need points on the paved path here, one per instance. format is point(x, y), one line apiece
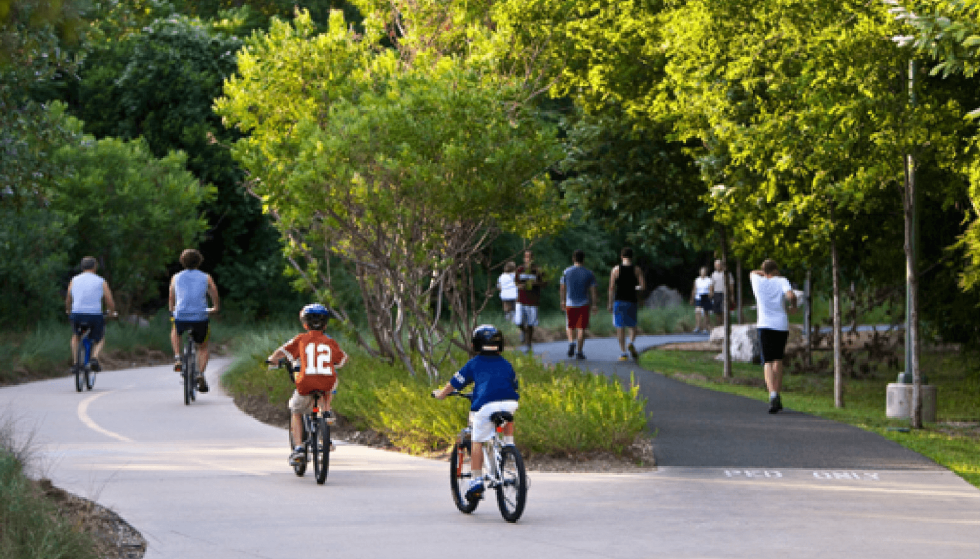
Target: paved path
point(206, 481)
point(702, 428)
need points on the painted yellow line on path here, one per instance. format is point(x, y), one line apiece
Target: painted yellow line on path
point(83, 415)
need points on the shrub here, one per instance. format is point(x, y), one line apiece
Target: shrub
point(563, 410)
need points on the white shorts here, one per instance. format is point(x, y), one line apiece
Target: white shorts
point(303, 404)
point(480, 422)
point(526, 315)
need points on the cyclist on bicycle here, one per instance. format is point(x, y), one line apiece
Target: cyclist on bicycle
point(188, 303)
point(495, 389)
point(319, 357)
point(83, 304)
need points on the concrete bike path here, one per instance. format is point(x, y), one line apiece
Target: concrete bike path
point(207, 481)
point(696, 427)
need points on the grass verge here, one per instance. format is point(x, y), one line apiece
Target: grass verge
point(563, 410)
point(954, 441)
point(30, 525)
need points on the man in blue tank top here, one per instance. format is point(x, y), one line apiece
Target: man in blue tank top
point(83, 303)
point(625, 281)
point(189, 291)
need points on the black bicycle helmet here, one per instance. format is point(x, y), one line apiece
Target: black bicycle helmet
point(487, 340)
point(315, 316)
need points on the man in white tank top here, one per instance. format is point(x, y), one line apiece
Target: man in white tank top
point(83, 304)
point(189, 291)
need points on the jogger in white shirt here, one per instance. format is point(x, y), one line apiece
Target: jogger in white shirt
point(771, 290)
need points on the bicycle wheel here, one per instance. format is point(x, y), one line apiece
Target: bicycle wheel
point(89, 378)
point(79, 366)
point(321, 450)
point(299, 468)
point(512, 491)
point(459, 476)
point(187, 363)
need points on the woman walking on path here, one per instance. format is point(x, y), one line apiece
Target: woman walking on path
point(771, 290)
point(508, 290)
point(701, 297)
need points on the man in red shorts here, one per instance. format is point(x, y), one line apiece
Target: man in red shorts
point(578, 294)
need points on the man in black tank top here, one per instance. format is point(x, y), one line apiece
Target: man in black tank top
point(625, 282)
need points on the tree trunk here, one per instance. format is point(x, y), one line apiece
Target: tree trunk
point(726, 316)
point(738, 290)
point(808, 316)
point(838, 365)
point(913, 290)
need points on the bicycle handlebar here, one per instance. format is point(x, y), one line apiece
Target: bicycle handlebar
point(467, 395)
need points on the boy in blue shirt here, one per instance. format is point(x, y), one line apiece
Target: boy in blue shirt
point(494, 389)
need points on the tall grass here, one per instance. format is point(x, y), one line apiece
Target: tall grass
point(30, 527)
point(563, 410)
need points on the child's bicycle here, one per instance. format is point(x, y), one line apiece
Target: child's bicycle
point(503, 469)
point(316, 433)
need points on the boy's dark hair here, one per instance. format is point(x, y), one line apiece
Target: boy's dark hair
point(191, 259)
point(626, 253)
point(578, 256)
point(510, 267)
point(770, 267)
point(89, 263)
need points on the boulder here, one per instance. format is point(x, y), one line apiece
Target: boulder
point(745, 341)
point(663, 297)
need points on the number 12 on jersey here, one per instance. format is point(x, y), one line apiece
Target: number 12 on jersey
point(318, 359)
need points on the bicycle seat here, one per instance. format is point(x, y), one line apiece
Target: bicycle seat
point(501, 417)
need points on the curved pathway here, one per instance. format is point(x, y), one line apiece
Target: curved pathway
point(206, 481)
point(703, 428)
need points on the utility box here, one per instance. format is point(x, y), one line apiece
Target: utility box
point(898, 403)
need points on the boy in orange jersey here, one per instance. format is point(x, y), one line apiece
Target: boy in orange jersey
point(319, 357)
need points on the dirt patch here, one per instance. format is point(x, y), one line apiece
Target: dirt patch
point(114, 537)
point(637, 458)
point(966, 429)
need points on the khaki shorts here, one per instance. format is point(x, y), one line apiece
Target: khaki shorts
point(303, 405)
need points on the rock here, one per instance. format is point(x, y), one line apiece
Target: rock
point(137, 320)
point(663, 297)
point(745, 343)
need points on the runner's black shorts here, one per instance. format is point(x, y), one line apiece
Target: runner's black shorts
point(199, 329)
point(773, 344)
point(95, 323)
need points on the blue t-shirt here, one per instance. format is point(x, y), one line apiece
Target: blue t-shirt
point(493, 379)
point(190, 290)
point(577, 281)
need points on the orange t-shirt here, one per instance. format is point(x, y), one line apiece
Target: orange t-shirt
point(319, 356)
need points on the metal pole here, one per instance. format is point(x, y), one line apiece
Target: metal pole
point(914, 237)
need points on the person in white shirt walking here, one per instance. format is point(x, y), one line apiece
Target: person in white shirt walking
point(508, 290)
point(771, 293)
point(701, 297)
point(83, 303)
point(722, 283)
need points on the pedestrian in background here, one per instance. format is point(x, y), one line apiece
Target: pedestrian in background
point(625, 281)
point(577, 295)
point(771, 293)
point(701, 297)
point(722, 283)
point(508, 290)
point(530, 280)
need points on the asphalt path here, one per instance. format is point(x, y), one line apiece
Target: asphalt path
point(696, 427)
point(206, 481)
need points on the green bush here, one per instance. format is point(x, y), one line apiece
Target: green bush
point(563, 410)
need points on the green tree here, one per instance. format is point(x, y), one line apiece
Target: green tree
point(129, 209)
point(406, 172)
point(159, 84)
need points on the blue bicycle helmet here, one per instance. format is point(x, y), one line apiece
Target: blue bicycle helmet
point(315, 316)
point(487, 340)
